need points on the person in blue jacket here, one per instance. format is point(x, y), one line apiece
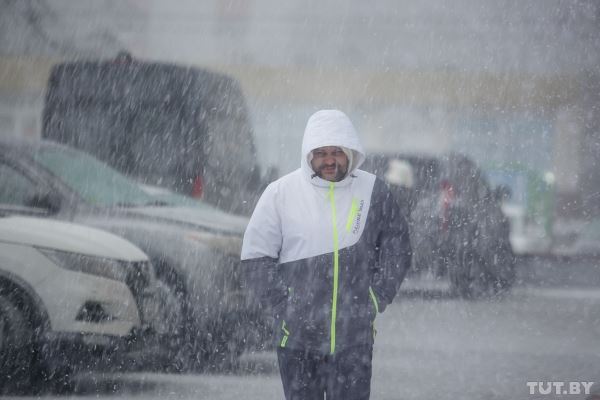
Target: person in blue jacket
point(326, 250)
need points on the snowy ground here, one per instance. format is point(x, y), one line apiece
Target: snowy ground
point(432, 346)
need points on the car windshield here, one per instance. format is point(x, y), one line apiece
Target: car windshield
point(94, 181)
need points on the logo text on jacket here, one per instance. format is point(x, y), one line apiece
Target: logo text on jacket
point(356, 227)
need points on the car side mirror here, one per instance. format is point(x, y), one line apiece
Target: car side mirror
point(48, 201)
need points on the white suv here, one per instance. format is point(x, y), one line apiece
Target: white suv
point(69, 294)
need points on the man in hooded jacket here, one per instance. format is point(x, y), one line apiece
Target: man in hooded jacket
point(325, 250)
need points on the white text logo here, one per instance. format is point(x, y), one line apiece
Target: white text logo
point(559, 387)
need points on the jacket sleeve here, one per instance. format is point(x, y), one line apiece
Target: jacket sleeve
point(394, 251)
point(260, 252)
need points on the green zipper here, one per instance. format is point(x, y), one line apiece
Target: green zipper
point(335, 269)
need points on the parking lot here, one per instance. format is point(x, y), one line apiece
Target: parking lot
point(430, 345)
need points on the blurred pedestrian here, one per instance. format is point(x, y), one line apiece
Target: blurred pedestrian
point(325, 250)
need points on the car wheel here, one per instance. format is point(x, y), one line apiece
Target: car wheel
point(223, 347)
point(503, 264)
point(172, 314)
point(56, 380)
point(468, 276)
point(16, 347)
point(171, 325)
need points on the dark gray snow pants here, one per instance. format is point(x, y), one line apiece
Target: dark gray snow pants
point(345, 375)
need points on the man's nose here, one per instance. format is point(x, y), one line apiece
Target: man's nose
point(329, 160)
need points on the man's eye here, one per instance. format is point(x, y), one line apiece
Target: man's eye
point(319, 154)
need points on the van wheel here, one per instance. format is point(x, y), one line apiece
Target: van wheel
point(57, 380)
point(16, 347)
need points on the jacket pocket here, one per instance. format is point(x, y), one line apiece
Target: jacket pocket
point(374, 310)
point(285, 334)
point(374, 301)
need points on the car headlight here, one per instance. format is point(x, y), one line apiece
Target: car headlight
point(104, 267)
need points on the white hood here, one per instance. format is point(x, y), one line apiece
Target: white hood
point(330, 128)
point(63, 236)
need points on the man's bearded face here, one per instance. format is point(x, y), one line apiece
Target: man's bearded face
point(329, 163)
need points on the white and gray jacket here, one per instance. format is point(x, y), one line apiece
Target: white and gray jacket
point(326, 256)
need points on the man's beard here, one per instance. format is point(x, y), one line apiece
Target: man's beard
point(340, 172)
